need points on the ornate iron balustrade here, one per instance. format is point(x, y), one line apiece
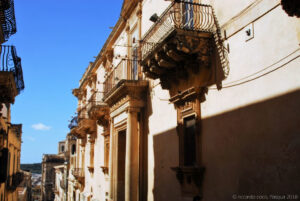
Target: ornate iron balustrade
point(10, 62)
point(126, 70)
point(187, 16)
point(97, 109)
point(73, 122)
point(95, 100)
point(7, 18)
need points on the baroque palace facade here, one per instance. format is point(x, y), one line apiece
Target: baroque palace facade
point(189, 100)
point(11, 84)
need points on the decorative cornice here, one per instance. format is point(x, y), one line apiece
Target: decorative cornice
point(189, 95)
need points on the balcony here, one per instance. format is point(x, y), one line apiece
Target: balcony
point(78, 173)
point(85, 124)
point(123, 81)
point(14, 181)
point(11, 75)
point(17, 129)
point(7, 19)
point(126, 70)
point(97, 109)
point(73, 126)
point(185, 41)
point(73, 122)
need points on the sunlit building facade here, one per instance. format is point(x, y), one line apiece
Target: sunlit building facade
point(190, 100)
point(50, 161)
point(11, 84)
point(24, 188)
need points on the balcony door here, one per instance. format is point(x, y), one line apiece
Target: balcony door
point(121, 165)
point(188, 14)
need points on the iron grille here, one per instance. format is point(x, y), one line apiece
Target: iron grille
point(10, 62)
point(73, 122)
point(7, 18)
point(126, 70)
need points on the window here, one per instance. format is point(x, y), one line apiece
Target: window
point(62, 148)
point(73, 149)
point(189, 139)
point(121, 164)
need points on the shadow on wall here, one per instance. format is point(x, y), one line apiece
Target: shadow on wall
point(147, 112)
point(254, 150)
point(166, 155)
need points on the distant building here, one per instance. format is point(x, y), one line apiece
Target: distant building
point(48, 175)
point(61, 147)
point(24, 188)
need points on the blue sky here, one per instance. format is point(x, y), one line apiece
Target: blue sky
point(56, 40)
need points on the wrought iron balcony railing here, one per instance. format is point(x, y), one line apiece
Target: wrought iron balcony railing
point(10, 62)
point(95, 100)
point(125, 70)
point(7, 18)
point(96, 107)
point(184, 16)
point(73, 122)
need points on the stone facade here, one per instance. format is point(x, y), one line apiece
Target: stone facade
point(48, 175)
point(197, 103)
point(11, 84)
point(24, 189)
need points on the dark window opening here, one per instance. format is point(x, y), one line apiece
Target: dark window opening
point(121, 164)
point(189, 141)
point(73, 149)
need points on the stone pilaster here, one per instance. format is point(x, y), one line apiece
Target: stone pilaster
point(132, 156)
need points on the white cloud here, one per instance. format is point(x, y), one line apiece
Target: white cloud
point(41, 127)
point(32, 139)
